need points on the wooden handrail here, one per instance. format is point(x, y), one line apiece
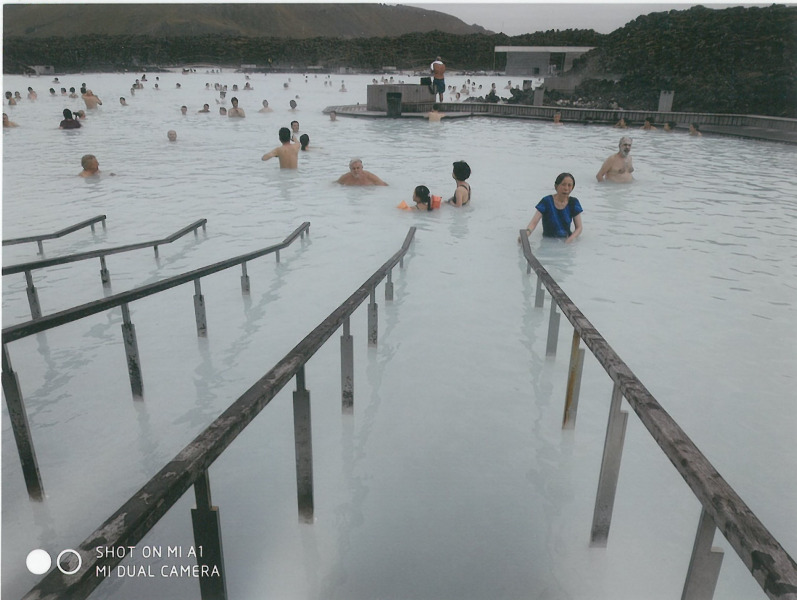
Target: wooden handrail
point(142, 511)
point(771, 566)
point(21, 330)
point(60, 260)
point(57, 234)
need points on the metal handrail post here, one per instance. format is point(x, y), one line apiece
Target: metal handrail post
point(610, 471)
point(373, 318)
point(347, 368)
point(207, 542)
point(573, 383)
point(21, 429)
point(199, 310)
point(105, 275)
point(33, 297)
point(553, 331)
point(131, 352)
point(245, 288)
point(303, 441)
point(704, 566)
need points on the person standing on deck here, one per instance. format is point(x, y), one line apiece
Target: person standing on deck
point(438, 77)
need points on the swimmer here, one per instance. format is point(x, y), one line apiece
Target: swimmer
point(287, 152)
point(333, 115)
point(235, 111)
point(69, 121)
point(122, 101)
point(10, 98)
point(648, 125)
point(304, 141)
point(422, 198)
point(670, 126)
point(31, 94)
point(621, 124)
point(295, 133)
point(558, 211)
point(343, 87)
point(248, 86)
point(222, 111)
point(179, 86)
point(52, 91)
point(694, 130)
point(171, 135)
point(266, 108)
point(358, 176)
point(80, 114)
point(91, 166)
point(91, 100)
point(205, 109)
point(184, 110)
point(618, 167)
point(460, 173)
point(557, 119)
point(435, 115)
point(293, 105)
point(7, 122)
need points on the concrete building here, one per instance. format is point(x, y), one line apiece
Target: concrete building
point(550, 63)
point(540, 61)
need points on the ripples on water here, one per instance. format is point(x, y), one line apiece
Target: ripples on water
point(689, 274)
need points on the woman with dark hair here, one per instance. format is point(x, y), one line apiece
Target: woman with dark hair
point(460, 173)
point(69, 121)
point(304, 140)
point(557, 211)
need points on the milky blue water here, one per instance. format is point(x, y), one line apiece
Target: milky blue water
point(453, 478)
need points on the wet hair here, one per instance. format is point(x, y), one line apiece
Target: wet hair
point(696, 126)
point(561, 177)
point(435, 106)
point(68, 114)
point(234, 100)
point(423, 194)
point(265, 102)
point(292, 122)
point(86, 159)
point(304, 140)
point(461, 170)
point(285, 134)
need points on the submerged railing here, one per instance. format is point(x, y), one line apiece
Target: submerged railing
point(10, 381)
point(105, 276)
point(51, 236)
point(723, 509)
point(84, 568)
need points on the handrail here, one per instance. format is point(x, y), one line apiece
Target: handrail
point(142, 511)
point(21, 330)
point(60, 260)
point(57, 234)
point(771, 566)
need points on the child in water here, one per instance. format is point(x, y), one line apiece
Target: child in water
point(423, 200)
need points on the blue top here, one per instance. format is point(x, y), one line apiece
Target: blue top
point(555, 222)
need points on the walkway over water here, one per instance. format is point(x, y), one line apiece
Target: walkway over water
point(744, 126)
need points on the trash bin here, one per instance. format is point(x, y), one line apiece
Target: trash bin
point(394, 104)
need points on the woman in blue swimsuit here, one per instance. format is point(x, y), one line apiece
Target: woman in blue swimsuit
point(558, 211)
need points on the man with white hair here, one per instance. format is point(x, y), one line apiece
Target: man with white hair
point(358, 176)
point(618, 167)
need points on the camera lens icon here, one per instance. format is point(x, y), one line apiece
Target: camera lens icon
point(39, 562)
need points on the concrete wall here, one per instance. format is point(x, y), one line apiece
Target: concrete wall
point(410, 93)
point(525, 63)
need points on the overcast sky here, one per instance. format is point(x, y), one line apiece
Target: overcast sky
point(527, 17)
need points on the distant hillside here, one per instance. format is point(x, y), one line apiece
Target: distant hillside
point(737, 59)
point(237, 20)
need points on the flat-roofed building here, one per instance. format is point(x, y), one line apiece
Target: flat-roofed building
point(540, 61)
